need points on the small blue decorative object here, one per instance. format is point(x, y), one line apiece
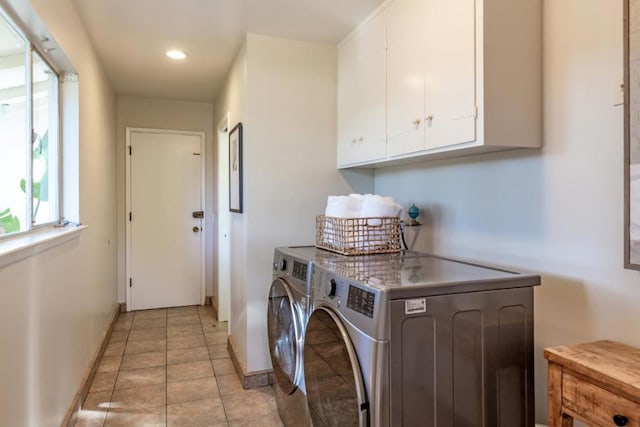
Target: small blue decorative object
point(413, 213)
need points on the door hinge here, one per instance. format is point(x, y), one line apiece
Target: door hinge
point(130, 282)
point(129, 150)
point(130, 216)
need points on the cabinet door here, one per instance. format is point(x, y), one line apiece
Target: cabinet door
point(347, 97)
point(405, 77)
point(450, 77)
point(371, 97)
point(362, 135)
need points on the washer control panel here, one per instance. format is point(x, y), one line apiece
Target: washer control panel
point(299, 270)
point(361, 301)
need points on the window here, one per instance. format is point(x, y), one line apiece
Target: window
point(29, 129)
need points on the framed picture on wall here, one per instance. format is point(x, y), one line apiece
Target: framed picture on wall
point(235, 169)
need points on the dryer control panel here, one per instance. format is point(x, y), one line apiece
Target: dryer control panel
point(299, 270)
point(361, 301)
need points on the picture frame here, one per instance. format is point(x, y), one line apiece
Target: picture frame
point(631, 25)
point(235, 169)
point(632, 134)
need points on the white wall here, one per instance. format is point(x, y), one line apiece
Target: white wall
point(231, 100)
point(54, 306)
point(289, 120)
point(165, 114)
point(557, 211)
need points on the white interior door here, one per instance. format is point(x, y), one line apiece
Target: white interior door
point(165, 239)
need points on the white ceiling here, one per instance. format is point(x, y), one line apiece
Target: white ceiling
point(131, 37)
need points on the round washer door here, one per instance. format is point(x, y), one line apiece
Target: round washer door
point(335, 390)
point(283, 330)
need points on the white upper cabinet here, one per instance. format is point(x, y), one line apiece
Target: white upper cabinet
point(456, 77)
point(405, 77)
point(362, 135)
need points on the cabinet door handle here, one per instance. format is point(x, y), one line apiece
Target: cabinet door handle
point(416, 122)
point(354, 140)
point(361, 139)
point(429, 118)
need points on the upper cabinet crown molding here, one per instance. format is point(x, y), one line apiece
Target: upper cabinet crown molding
point(427, 79)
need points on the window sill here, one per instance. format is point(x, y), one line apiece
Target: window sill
point(12, 250)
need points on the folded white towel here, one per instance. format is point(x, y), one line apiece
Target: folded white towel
point(342, 207)
point(379, 206)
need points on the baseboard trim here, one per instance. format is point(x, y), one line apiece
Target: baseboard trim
point(248, 379)
point(71, 416)
point(123, 307)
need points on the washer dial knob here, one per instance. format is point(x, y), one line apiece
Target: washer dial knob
point(331, 288)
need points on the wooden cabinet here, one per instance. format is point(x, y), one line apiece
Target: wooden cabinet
point(597, 383)
point(461, 77)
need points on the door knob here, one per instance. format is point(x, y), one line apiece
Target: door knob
point(196, 229)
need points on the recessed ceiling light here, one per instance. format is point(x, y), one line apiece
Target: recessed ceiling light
point(176, 54)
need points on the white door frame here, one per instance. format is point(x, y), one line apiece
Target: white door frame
point(129, 131)
point(223, 280)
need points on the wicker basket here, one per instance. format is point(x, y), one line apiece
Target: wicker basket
point(358, 236)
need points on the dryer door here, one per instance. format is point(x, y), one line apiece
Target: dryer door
point(283, 326)
point(335, 390)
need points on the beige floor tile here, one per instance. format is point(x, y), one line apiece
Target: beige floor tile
point(183, 311)
point(189, 371)
point(249, 404)
point(138, 417)
point(115, 349)
point(151, 314)
point(218, 351)
point(184, 330)
point(144, 360)
point(139, 397)
point(205, 309)
point(183, 320)
point(159, 322)
point(208, 327)
point(198, 413)
point(184, 355)
point(126, 315)
point(109, 364)
point(118, 336)
point(223, 367)
point(90, 419)
point(141, 377)
point(103, 381)
point(123, 324)
point(147, 334)
point(271, 420)
point(94, 410)
point(214, 338)
point(207, 320)
point(186, 341)
point(100, 401)
point(186, 391)
point(229, 384)
point(137, 347)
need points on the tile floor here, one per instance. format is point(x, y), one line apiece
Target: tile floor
point(170, 367)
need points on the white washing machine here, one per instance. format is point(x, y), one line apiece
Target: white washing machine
point(426, 342)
